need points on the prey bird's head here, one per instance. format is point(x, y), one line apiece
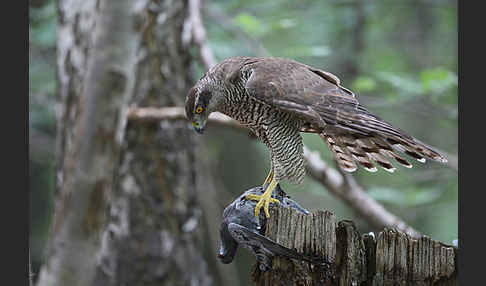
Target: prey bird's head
point(202, 99)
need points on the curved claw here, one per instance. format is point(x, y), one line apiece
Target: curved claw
point(264, 200)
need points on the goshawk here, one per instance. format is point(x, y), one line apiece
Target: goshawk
point(278, 98)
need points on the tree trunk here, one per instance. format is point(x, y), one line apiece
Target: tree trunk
point(91, 126)
point(154, 234)
point(393, 258)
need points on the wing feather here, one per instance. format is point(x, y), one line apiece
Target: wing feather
point(316, 97)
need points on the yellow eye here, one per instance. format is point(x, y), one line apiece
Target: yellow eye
point(199, 109)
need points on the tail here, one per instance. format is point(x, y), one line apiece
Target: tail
point(353, 149)
point(356, 136)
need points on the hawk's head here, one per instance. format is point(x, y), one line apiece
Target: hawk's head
point(202, 99)
point(197, 108)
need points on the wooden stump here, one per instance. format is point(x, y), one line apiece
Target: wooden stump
point(392, 258)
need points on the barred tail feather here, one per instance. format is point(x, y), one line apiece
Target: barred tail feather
point(343, 158)
point(356, 136)
point(367, 151)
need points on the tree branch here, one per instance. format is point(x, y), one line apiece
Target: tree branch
point(199, 34)
point(344, 186)
point(340, 184)
point(153, 114)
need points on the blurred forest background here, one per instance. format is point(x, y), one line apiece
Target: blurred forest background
point(399, 57)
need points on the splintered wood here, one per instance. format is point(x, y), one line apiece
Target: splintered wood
point(401, 260)
point(392, 258)
point(293, 229)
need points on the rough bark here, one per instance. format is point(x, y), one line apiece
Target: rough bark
point(392, 258)
point(90, 138)
point(154, 233)
point(153, 230)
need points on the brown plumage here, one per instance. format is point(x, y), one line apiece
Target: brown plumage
point(316, 98)
point(279, 98)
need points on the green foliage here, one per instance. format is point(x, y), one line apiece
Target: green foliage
point(42, 89)
point(363, 84)
point(42, 73)
point(42, 77)
point(434, 81)
point(437, 80)
point(42, 26)
point(305, 51)
point(401, 82)
point(405, 198)
point(250, 24)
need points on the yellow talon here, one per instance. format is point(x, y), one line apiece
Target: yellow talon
point(264, 200)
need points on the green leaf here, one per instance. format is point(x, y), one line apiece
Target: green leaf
point(363, 84)
point(437, 80)
point(306, 51)
point(403, 83)
point(250, 24)
point(408, 198)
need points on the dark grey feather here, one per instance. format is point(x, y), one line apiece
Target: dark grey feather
point(239, 227)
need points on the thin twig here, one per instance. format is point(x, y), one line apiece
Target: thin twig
point(153, 114)
point(199, 34)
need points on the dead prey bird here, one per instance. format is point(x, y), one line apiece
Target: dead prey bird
point(240, 227)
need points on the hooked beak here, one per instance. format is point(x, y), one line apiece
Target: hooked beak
point(199, 126)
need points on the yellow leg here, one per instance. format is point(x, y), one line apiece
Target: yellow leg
point(269, 178)
point(265, 199)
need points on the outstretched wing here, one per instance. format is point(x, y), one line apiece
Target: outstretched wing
point(353, 133)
